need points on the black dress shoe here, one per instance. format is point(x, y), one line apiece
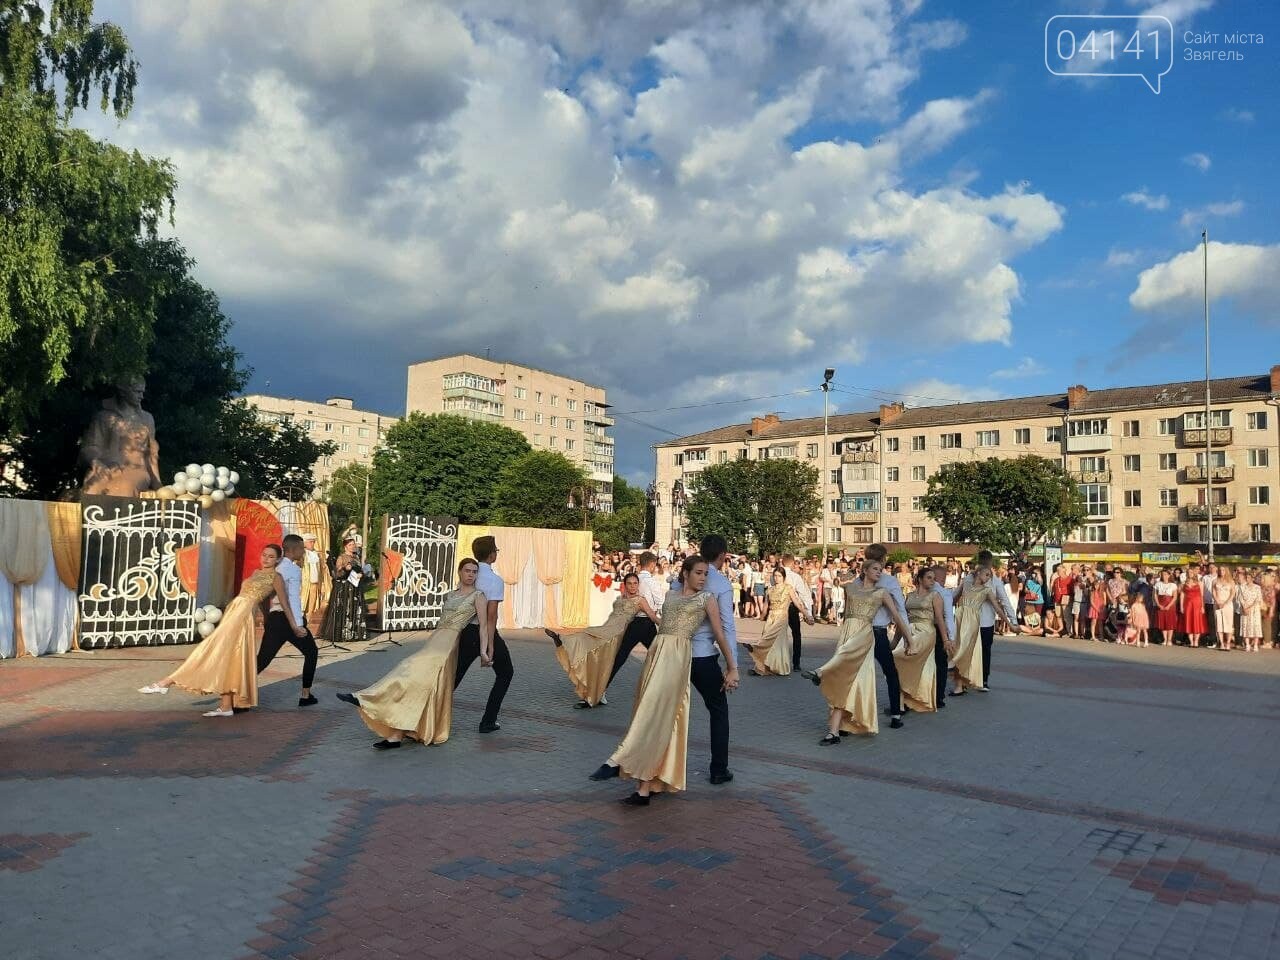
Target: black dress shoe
point(349, 698)
point(719, 778)
point(896, 723)
point(605, 772)
point(811, 676)
point(942, 705)
point(307, 701)
point(490, 727)
point(387, 745)
point(555, 637)
point(983, 689)
point(829, 740)
point(635, 800)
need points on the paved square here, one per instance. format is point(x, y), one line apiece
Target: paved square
point(1100, 802)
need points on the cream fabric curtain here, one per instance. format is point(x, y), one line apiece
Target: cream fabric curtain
point(547, 574)
point(548, 551)
point(24, 540)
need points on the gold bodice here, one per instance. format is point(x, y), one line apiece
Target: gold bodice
point(259, 586)
point(920, 609)
point(780, 594)
point(681, 615)
point(860, 604)
point(975, 596)
point(457, 610)
point(624, 609)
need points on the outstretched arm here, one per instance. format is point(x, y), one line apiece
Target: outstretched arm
point(891, 604)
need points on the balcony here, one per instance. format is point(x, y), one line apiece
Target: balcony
point(859, 456)
point(1219, 474)
point(471, 393)
point(858, 516)
point(1091, 476)
point(1222, 437)
point(1089, 442)
point(1221, 511)
point(603, 419)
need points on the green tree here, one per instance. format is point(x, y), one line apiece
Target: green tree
point(756, 505)
point(626, 524)
point(74, 297)
point(444, 466)
point(1005, 505)
point(535, 490)
point(344, 491)
point(268, 454)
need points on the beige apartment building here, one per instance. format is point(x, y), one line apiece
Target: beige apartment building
point(1141, 456)
point(554, 412)
point(356, 432)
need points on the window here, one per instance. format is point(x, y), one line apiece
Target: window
point(1053, 434)
point(693, 456)
point(1221, 533)
point(1168, 533)
point(855, 475)
point(537, 396)
point(1094, 533)
point(1255, 421)
point(862, 534)
point(1093, 464)
point(1132, 428)
point(917, 442)
point(537, 438)
point(537, 416)
point(785, 451)
point(1167, 426)
point(1260, 532)
point(555, 401)
point(1133, 498)
point(568, 444)
point(346, 430)
point(1133, 534)
point(520, 415)
point(1259, 496)
point(917, 534)
point(890, 534)
point(950, 441)
point(1217, 458)
point(572, 404)
point(363, 449)
point(571, 424)
point(891, 474)
point(553, 441)
point(917, 473)
point(1195, 421)
point(1258, 457)
point(327, 461)
point(363, 432)
point(1022, 435)
point(834, 535)
point(519, 393)
point(811, 534)
point(1168, 461)
point(344, 447)
point(891, 504)
point(678, 460)
point(917, 504)
point(1097, 499)
point(1132, 463)
point(328, 428)
point(1092, 427)
point(1169, 497)
point(473, 381)
point(555, 421)
point(588, 406)
point(722, 456)
point(988, 438)
point(835, 449)
point(891, 444)
point(811, 451)
point(836, 505)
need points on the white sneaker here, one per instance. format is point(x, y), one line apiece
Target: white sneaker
point(219, 713)
point(153, 688)
point(604, 702)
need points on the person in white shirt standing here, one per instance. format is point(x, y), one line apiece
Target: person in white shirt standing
point(942, 650)
point(796, 581)
point(283, 623)
point(880, 627)
point(471, 644)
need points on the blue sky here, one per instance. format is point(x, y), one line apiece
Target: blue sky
point(703, 201)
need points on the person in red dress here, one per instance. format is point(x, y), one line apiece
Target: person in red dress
point(1165, 592)
point(1193, 622)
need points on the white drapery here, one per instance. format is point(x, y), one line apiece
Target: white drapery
point(35, 605)
point(48, 610)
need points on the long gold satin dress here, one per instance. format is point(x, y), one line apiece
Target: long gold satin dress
point(587, 657)
point(916, 670)
point(416, 696)
point(656, 745)
point(968, 658)
point(848, 679)
point(226, 661)
point(768, 655)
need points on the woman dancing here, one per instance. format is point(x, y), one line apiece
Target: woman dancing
point(653, 752)
point(917, 670)
point(770, 657)
point(347, 617)
point(848, 679)
point(225, 662)
point(968, 655)
point(415, 699)
point(588, 657)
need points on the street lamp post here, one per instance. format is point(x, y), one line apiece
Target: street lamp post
point(1208, 431)
point(677, 505)
point(655, 501)
point(826, 447)
point(586, 497)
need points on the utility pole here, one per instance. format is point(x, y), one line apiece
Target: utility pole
point(1208, 429)
point(826, 449)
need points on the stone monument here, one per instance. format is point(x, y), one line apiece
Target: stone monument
point(119, 449)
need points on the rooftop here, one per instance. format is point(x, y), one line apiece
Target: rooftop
point(507, 363)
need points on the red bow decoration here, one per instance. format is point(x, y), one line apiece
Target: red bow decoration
point(604, 582)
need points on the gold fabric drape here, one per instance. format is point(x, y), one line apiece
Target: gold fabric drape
point(221, 573)
point(24, 540)
point(64, 534)
point(575, 587)
point(549, 554)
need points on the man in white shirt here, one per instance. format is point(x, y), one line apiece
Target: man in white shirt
point(642, 628)
point(940, 652)
point(792, 567)
point(704, 670)
point(283, 621)
point(880, 627)
point(471, 643)
point(987, 620)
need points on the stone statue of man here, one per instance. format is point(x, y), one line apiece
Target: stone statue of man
point(119, 448)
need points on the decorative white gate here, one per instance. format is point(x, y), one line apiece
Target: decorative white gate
point(130, 592)
point(425, 548)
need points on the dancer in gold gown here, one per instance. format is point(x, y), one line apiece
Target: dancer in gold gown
point(848, 679)
point(914, 652)
point(587, 657)
point(969, 601)
point(415, 699)
point(655, 747)
point(770, 657)
point(225, 662)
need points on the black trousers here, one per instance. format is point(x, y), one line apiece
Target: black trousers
point(793, 621)
point(276, 632)
point(708, 680)
point(884, 657)
point(503, 671)
point(940, 666)
point(988, 636)
point(640, 630)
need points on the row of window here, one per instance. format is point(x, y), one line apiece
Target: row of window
point(328, 427)
point(1091, 533)
point(555, 421)
point(554, 442)
point(522, 393)
point(471, 381)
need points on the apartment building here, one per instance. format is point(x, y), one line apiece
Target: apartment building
point(553, 411)
point(1153, 473)
point(356, 432)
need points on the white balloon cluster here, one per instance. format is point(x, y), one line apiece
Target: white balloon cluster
point(205, 482)
point(206, 619)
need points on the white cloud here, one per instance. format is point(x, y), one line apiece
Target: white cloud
point(1122, 258)
point(1200, 161)
point(1141, 198)
point(1238, 115)
point(1175, 11)
point(931, 391)
point(1026, 367)
point(1196, 217)
point(1249, 274)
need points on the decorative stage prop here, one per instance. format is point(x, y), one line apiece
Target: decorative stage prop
point(547, 575)
point(131, 591)
point(40, 563)
point(417, 570)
